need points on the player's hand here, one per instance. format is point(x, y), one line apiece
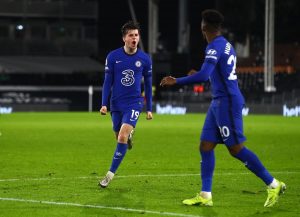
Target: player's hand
point(149, 116)
point(103, 110)
point(168, 81)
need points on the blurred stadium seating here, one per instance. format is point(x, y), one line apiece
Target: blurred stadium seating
point(59, 43)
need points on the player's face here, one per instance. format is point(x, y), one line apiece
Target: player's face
point(132, 39)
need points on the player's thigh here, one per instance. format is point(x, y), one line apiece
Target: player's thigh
point(131, 116)
point(116, 117)
point(230, 122)
point(210, 130)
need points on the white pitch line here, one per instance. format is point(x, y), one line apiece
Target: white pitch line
point(161, 213)
point(139, 175)
point(33, 179)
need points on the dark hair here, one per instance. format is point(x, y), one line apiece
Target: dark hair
point(130, 25)
point(213, 19)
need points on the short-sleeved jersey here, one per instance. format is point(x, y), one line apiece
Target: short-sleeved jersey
point(127, 72)
point(223, 79)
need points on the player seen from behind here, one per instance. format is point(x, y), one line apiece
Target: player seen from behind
point(223, 123)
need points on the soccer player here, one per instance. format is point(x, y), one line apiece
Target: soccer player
point(223, 123)
point(124, 69)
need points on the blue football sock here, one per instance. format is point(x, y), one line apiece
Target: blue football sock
point(118, 156)
point(207, 169)
point(252, 162)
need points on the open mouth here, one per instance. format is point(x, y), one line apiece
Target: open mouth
point(134, 43)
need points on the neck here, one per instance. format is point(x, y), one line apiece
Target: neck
point(211, 36)
point(130, 50)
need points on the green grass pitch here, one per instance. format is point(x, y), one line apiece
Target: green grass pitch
point(50, 164)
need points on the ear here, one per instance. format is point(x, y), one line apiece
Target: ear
point(204, 27)
point(123, 39)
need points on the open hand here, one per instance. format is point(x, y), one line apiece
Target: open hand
point(168, 81)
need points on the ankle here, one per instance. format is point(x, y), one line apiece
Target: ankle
point(274, 184)
point(110, 174)
point(206, 194)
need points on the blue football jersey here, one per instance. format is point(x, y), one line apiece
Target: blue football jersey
point(223, 79)
point(127, 72)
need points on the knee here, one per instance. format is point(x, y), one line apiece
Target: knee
point(122, 138)
point(206, 146)
point(235, 149)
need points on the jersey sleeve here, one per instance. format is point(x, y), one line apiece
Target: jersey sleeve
point(147, 70)
point(108, 80)
point(212, 54)
point(200, 76)
point(147, 73)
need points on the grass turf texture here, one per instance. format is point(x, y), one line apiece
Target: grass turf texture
point(68, 152)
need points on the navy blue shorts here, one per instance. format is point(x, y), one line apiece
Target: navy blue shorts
point(129, 116)
point(224, 122)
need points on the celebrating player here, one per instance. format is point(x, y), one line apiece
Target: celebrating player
point(223, 123)
point(124, 69)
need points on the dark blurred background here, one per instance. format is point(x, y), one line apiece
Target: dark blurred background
point(52, 52)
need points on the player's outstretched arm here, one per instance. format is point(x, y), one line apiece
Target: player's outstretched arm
point(191, 72)
point(168, 81)
point(197, 77)
point(149, 115)
point(103, 110)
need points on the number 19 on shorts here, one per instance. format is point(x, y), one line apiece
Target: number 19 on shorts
point(134, 115)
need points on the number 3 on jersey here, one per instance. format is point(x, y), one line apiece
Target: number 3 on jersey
point(232, 59)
